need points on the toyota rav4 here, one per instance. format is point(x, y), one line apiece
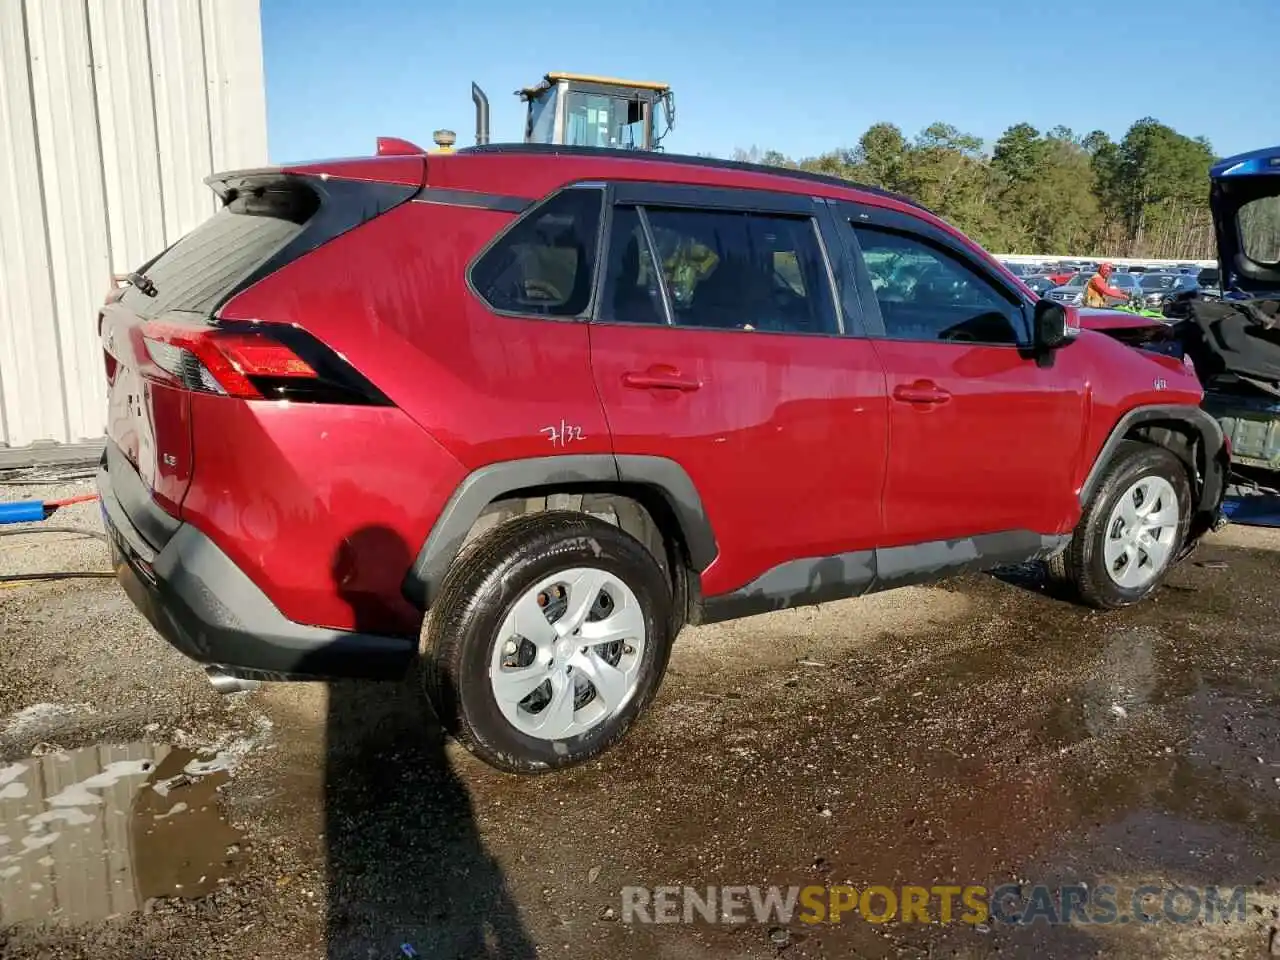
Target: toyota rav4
point(526, 412)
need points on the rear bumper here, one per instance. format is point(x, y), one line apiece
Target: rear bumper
point(208, 608)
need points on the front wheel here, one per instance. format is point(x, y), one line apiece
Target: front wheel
point(550, 635)
point(1131, 531)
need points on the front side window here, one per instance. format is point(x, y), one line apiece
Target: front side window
point(927, 294)
point(543, 265)
point(742, 271)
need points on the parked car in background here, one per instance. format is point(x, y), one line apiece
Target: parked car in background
point(1041, 284)
point(1073, 290)
point(1159, 287)
point(1130, 283)
point(1209, 283)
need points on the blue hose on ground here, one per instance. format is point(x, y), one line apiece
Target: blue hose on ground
point(27, 511)
point(22, 511)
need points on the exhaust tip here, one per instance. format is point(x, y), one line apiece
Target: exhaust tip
point(226, 683)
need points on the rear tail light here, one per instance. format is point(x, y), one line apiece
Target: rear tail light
point(181, 364)
point(252, 362)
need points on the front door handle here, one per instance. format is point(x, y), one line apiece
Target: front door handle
point(660, 377)
point(922, 391)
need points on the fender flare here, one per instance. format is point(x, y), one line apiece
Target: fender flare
point(481, 487)
point(1213, 469)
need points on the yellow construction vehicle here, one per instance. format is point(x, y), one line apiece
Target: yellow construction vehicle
point(577, 110)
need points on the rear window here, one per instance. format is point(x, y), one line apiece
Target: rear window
point(207, 264)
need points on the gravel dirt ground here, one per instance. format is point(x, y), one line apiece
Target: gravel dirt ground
point(977, 732)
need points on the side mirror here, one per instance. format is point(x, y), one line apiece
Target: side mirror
point(1052, 328)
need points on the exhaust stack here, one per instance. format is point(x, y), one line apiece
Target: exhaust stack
point(482, 114)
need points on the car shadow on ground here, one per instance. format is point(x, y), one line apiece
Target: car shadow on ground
point(406, 864)
point(1032, 576)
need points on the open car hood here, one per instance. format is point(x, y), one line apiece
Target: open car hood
point(1245, 199)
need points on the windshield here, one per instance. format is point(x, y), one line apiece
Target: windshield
point(1079, 280)
point(599, 120)
point(1124, 281)
point(1159, 281)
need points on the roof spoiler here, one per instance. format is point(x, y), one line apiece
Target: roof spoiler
point(229, 184)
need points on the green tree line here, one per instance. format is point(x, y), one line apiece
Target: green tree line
point(1056, 192)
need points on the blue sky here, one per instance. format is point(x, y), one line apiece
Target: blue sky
point(800, 77)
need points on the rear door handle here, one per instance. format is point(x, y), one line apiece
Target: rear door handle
point(922, 391)
point(660, 378)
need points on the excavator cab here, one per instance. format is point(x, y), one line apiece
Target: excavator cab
point(584, 111)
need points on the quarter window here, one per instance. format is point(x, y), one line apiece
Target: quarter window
point(726, 270)
point(543, 266)
point(927, 294)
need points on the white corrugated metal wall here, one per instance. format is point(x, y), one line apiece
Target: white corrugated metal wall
point(112, 113)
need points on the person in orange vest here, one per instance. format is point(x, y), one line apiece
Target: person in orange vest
point(1098, 290)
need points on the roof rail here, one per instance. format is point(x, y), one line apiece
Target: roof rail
point(612, 153)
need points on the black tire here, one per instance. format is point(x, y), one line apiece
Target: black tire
point(1081, 568)
point(475, 598)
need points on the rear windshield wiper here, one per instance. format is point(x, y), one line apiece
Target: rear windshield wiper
point(144, 284)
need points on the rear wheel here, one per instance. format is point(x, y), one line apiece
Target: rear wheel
point(1132, 529)
point(550, 635)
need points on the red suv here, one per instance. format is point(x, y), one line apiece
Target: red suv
point(563, 402)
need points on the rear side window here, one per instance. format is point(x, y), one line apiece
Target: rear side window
point(543, 265)
point(925, 293)
point(729, 271)
point(207, 264)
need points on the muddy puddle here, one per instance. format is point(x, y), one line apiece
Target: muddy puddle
point(91, 833)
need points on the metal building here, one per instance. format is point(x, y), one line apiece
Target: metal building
point(112, 113)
